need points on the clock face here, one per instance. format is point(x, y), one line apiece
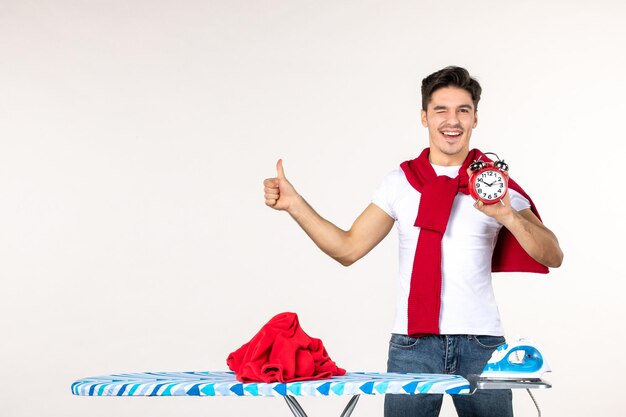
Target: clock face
point(490, 185)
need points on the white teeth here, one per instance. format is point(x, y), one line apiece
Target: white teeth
point(452, 133)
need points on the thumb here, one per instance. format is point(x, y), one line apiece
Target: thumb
point(279, 169)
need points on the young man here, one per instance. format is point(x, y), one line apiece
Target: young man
point(446, 320)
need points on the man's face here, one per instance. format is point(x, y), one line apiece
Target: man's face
point(450, 118)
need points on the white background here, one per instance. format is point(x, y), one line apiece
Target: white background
point(135, 135)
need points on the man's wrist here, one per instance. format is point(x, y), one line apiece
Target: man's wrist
point(297, 207)
point(509, 218)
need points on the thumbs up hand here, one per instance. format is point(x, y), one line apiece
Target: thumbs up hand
point(279, 193)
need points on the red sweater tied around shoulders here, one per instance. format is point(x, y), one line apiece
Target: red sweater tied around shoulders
point(437, 197)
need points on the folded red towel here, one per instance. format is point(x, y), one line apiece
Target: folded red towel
point(282, 352)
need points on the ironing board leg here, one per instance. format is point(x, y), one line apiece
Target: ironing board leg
point(297, 410)
point(350, 407)
point(294, 406)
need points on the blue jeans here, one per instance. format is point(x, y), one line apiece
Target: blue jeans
point(457, 354)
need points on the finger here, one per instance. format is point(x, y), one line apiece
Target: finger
point(280, 170)
point(271, 182)
point(271, 196)
point(271, 190)
point(270, 202)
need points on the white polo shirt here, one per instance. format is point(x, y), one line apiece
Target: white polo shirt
point(468, 304)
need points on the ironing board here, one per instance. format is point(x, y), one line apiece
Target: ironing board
point(211, 384)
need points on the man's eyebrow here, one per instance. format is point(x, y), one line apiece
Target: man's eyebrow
point(462, 106)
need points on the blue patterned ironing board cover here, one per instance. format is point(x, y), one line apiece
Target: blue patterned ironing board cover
point(224, 384)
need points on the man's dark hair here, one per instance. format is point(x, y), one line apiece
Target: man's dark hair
point(450, 77)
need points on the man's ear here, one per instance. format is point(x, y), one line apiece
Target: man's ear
point(424, 119)
point(475, 119)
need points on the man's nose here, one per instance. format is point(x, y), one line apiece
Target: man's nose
point(452, 117)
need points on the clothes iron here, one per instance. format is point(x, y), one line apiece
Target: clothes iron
point(519, 360)
point(518, 364)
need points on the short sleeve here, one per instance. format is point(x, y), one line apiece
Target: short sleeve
point(518, 201)
point(387, 192)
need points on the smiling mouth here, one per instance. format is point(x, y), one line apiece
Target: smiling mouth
point(451, 134)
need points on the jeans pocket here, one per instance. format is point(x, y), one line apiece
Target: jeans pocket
point(489, 342)
point(402, 341)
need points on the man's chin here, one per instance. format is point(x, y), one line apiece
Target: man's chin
point(449, 155)
point(453, 149)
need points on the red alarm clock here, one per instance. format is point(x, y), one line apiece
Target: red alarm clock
point(488, 181)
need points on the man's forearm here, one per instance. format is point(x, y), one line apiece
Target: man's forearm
point(537, 240)
point(329, 238)
point(346, 247)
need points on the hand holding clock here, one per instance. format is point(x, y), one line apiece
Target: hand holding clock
point(499, 211)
